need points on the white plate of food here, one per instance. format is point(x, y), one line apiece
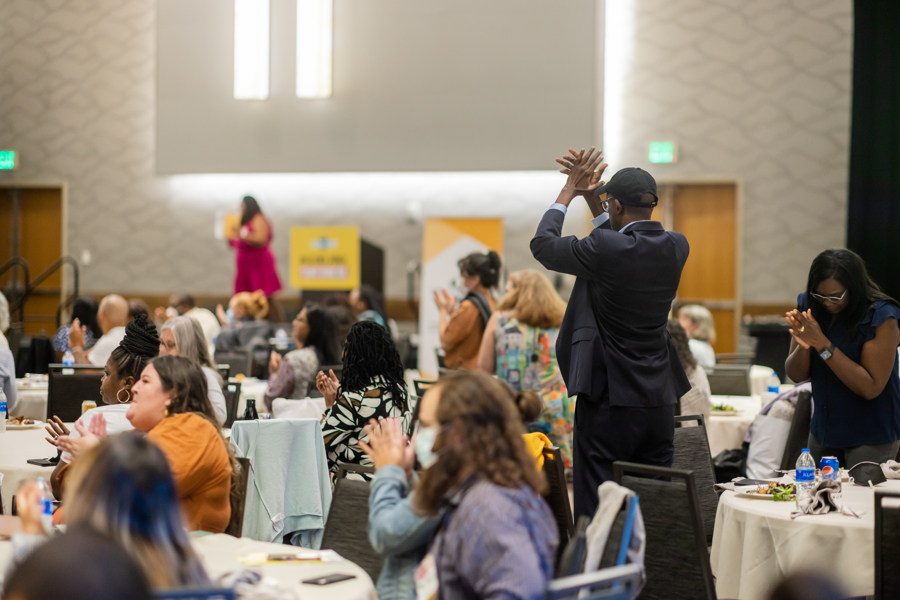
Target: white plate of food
point(780, 492)
point(724, 413)
point(23, 423)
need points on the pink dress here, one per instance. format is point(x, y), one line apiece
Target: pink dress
point(255, 266)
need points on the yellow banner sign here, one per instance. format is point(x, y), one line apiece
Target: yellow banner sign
point(325, 258)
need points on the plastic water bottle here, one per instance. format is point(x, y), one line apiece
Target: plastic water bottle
point(774, 383)
point(805, 475)
point(68, 358)
point(46, 504)
point(3, 415)
point(281, 339)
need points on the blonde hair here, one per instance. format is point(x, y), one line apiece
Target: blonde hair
point(533, 300)
point(703, 319)
point(255, 304)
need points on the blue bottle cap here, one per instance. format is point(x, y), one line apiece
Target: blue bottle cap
point(804, 450)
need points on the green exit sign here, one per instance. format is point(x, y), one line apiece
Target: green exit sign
point(662, 152)
point(7, 160)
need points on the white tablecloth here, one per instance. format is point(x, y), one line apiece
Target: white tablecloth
point(31, 403)
point(756, 544)
point(727, 432)
point(219, 555)
point(16, 447)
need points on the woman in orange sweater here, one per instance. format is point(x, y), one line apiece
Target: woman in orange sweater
point(171, 404)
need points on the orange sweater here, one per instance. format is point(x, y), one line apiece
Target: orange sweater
point(462, 338)
point(199, 462)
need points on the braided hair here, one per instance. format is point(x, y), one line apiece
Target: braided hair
point(141, 343)
point(368, 354)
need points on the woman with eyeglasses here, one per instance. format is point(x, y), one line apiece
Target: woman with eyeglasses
point(845, 338)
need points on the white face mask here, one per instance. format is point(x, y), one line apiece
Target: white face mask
point(425, 438)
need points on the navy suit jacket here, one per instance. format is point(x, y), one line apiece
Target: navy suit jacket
point(623, 347)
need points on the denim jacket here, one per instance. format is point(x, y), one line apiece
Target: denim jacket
point(398, 533)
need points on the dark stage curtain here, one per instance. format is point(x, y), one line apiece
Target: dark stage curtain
point(873, 224)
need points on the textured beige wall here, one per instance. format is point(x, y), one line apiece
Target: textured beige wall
point(758, 90)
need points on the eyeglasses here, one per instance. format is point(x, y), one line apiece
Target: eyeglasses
point(604, 204)
point(829, 299)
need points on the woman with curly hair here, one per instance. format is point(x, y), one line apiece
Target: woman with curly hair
point(496, 531)
point(371, 387)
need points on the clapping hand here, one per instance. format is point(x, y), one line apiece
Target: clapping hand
point(29, 509)
point(55, 428)
point(444, 301)
point(328, 386)
point(76, 334)
point(387, 444)
point(274, 363)
point(805, 329)
point(90, 436)
point(584, 170)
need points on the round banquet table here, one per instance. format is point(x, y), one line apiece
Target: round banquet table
point(16, 447)
point(219, 555)
point(31, 403)
point(756, 543)
point(727, 432)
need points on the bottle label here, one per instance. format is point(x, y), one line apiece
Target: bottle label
point(48, 507)
point(2, 407)
point(806, 475)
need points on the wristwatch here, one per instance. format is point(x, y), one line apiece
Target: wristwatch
point(827, 352)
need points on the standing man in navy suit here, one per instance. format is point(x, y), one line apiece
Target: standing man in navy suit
point(613, 347)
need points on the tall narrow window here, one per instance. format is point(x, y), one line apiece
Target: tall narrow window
point(251, 49)
point(314, 45)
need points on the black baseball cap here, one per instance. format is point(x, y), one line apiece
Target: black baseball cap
point(629, 185)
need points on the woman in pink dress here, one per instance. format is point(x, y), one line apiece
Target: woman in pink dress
point(255, 261)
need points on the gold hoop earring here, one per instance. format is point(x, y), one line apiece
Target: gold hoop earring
point(127, 391)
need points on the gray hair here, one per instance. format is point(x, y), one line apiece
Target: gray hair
point(703, 319)
point(4, 313)
point(190, 340)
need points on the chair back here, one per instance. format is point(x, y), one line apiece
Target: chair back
point(692, 454)
point(338, 370)
point(421, 386)
point(68, 387)
point(232, 393)
point(414, 402)
point(729, 380)
point(616, 583)
point(557, 497)
point(239, 361)
point(571, 561)
point(238, 498)
point(346, 530)
point(676, 559)
point(798, 435)
point(196, 594)
point(224, 371)
point(887, 544)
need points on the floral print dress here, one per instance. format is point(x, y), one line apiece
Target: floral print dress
point(343, 423)
point(526, 359)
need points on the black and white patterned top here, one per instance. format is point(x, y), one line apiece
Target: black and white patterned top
point(344, 422)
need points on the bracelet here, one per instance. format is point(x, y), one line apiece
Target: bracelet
point(77, 349)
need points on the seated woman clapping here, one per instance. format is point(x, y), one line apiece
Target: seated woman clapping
point(123, 489)
point(371, 387)
point(183, 336)
point(171, 404)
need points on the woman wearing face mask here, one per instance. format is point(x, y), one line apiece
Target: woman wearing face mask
point(183, 336)
point(845, 338)
point(294, 376)
point(462, 324)
point(171, 405)
point(122, 370)
point(496, 533)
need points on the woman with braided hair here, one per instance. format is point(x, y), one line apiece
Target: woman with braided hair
point(371, 387)
point(122, 370)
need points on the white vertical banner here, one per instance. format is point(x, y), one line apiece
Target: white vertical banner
point(445, 242)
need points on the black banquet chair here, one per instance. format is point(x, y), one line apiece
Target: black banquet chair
point(887, 544)
point(692, 454)
point(676, 560)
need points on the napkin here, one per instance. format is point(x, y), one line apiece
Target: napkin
point(891, 469)
point(250, 584)
point(821, 501)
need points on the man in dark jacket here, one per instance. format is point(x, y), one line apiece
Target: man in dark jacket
point(613, 348)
